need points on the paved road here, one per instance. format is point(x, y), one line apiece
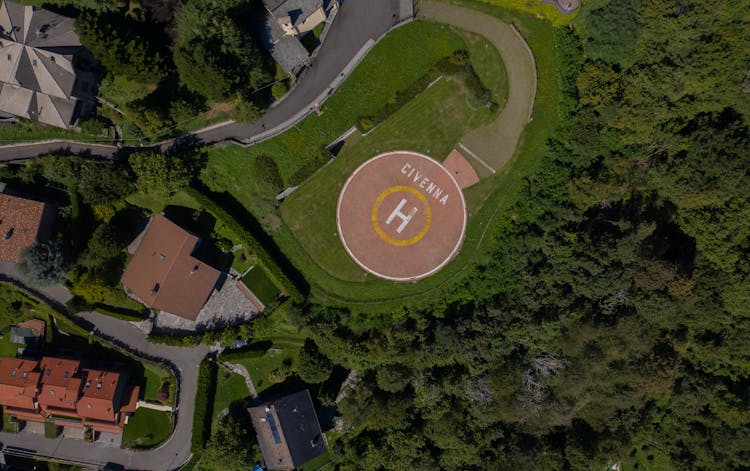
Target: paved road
point(357, 26)
point(176, 450)
point(495, 144)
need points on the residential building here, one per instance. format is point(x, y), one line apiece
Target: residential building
point(29, 333)
point(288, 431)
point(58, 390)
point(23, 222)
point(46, 74)
point(284, 22)
point(164, 274)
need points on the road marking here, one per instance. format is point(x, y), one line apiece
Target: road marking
point(462, 146)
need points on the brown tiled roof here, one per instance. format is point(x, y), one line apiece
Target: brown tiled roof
point(94, 396)
point(20, 219)
point(36, 325)
point(164, 274)
point(98, 395)
point(130, 399)
point(60, 385)
point(18, 382)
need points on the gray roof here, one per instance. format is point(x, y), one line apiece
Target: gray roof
point(296, 10)
point(37, 76)
point(286, 50)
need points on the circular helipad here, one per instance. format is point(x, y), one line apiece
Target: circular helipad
point(401, 216)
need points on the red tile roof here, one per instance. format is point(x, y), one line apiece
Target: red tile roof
point(62, 388)
point(164, 274)
point(60, 385)
point(18, 382)
point(20, 219)
point(98, 395)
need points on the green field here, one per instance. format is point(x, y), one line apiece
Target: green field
point(147, 428)
point(230, 390)
point(155, 376)
point(258, 282)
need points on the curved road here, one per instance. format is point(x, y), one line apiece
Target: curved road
point(356, 28)
point(495, 144)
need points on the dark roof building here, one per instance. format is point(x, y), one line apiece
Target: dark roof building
point(288, 431)
point(40, 77)
point(163, 273)
point(23, 222)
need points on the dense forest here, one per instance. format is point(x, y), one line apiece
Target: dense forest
point(610, 321)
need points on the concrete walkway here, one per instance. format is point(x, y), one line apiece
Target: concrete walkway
point(242, 371)
point(495, 144)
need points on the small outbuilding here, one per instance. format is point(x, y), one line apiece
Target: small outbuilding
point(29, 333)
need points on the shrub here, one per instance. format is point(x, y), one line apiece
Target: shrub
point(267, 173)
point(313, 366)
point(279, 89)
point(245, 111)
point(318, 159)
point(90, 288)
point(204, 397)
point(365, 123)
point(43, 264)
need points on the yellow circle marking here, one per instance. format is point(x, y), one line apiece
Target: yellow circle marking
point(386, 237)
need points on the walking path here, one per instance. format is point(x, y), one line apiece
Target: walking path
point(495, 144)
point(359, 24)
point(242, 371)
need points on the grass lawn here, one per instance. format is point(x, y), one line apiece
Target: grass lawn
point(9, 426)
point(230, 390)
point(282, 343)
point(155, 376)
point(537, 8)
point(316, 463)
point(258, 282)
point(27, 131)
point(147, 428)
point(399, 60)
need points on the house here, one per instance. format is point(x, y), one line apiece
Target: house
point(19, 380)
point(58, 390)
point(288, 431)
point(164, 274)
point(29, 333)
point(23, 222)
point(46, 74)
point(284, 22)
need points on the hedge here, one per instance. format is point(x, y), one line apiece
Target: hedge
point(190, 340)
point(119, 313)
point(250, 242)
point(204, 405)
point(457, 64)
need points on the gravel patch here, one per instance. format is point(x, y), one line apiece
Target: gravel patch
point(227, 306)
